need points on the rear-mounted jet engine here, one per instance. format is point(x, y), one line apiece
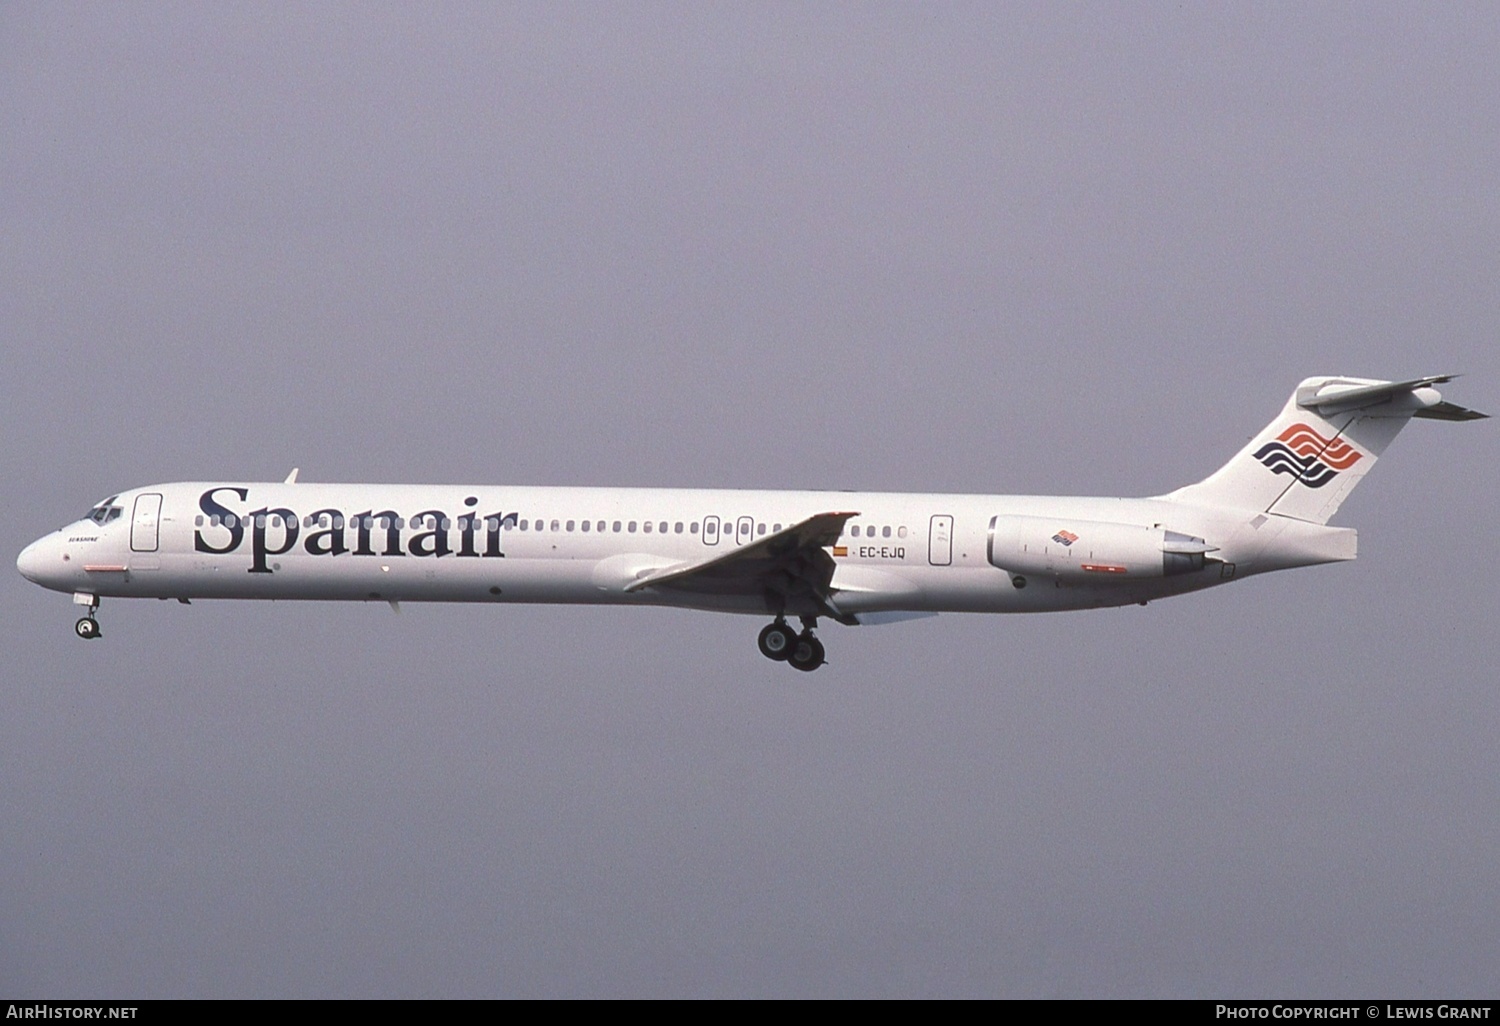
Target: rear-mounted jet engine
point(1085, 550)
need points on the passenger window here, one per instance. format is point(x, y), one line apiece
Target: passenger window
point(632, 527)
point(617, 527)
point(198, 520)
point(679, 527)
point(693, 527)
point(646, 527)
point(776, 529)
point(662, 528)
point(761, 529)
point(554, 525)
point(586, 525)
point(338, 521)
point(570, 527)
point(900, 532)
point(600, 528)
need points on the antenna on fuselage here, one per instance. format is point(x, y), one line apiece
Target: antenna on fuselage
point(292, 477)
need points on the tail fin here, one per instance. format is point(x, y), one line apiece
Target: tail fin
point(1327, 437)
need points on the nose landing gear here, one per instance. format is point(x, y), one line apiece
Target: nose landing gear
point(803, 651)
point(87, 628)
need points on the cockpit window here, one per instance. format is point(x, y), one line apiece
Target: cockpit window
point(105, 511)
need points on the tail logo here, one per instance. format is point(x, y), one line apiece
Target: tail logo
point(1308, 456)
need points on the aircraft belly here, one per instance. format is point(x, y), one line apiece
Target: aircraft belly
point(409, 579)
point(987, 590)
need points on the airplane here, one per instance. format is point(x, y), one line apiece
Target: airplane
point(850, 557)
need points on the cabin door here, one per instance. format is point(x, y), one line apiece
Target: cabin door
point(143, 527)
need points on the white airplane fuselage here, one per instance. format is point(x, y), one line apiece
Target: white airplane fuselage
point(854, 557)
point(921, 553)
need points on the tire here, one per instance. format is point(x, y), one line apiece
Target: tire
point(777, 641)
point(87, 628)
point(807, 654)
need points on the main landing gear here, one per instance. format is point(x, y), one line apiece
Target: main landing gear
point(803, 651)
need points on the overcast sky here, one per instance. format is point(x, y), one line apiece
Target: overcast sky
point(1081, 249)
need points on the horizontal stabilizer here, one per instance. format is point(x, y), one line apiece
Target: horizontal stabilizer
point(1450, 411)
point(1339, 396)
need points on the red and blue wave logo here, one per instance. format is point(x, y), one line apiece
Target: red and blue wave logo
point(1308, 456)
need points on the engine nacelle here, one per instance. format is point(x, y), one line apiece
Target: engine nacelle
point(1089, 550)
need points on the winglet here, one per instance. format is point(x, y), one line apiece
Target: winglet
point(292, 477)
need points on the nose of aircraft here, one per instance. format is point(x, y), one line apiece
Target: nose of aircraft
point(32, 562)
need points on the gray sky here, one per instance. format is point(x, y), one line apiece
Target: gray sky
point(1056, 249)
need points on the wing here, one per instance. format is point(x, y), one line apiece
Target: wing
point(790, 568)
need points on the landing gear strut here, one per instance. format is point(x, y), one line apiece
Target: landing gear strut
point(803, 651)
